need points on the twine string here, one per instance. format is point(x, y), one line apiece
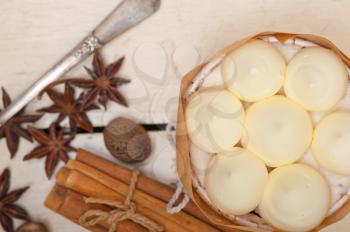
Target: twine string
point(121, 211)
point(171, 207)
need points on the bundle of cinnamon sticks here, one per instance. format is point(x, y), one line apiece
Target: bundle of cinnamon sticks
point(92, 176)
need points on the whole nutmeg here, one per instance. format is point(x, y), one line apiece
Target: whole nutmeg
point(32, 227)
point(127, 141)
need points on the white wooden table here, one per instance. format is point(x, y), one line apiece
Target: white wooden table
point(36, 33)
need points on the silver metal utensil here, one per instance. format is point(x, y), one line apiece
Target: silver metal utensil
point(126, 15)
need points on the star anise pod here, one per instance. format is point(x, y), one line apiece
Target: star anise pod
point(103, 83)
point(52, 145)
point(67, 106)
point(13, 129)
point(8, 209)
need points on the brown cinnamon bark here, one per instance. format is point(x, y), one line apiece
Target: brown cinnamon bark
point(90, 182)
point(147, 185)
point(154, 188)
point(70, 205)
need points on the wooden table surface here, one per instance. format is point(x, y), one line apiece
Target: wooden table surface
point(36, 33)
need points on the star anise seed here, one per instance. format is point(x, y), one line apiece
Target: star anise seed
point(67, 106)
point(104, 83)
point(52, 145)
point(12, 130)
point(8, 209)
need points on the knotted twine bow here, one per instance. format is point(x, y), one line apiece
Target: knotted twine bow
point(121, 212)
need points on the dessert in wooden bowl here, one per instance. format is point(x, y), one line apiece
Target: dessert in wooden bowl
point(263, 134)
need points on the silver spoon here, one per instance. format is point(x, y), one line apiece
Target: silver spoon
point(126, 15)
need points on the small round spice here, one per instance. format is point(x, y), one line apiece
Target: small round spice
point(32, 227)
point(127, 141)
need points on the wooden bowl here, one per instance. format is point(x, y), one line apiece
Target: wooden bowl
point(192, 83)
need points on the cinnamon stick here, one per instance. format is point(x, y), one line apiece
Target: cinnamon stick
point(154, 188)
point(139, 196)
point(90, 182)
point(70, 205)
point(147, 185)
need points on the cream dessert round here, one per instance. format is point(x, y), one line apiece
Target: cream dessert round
point(235, 181)
point(331, 142)
point(316, 78)
point(277, 130)
point(254, 71)
point(214, 119)
point(296, 198)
